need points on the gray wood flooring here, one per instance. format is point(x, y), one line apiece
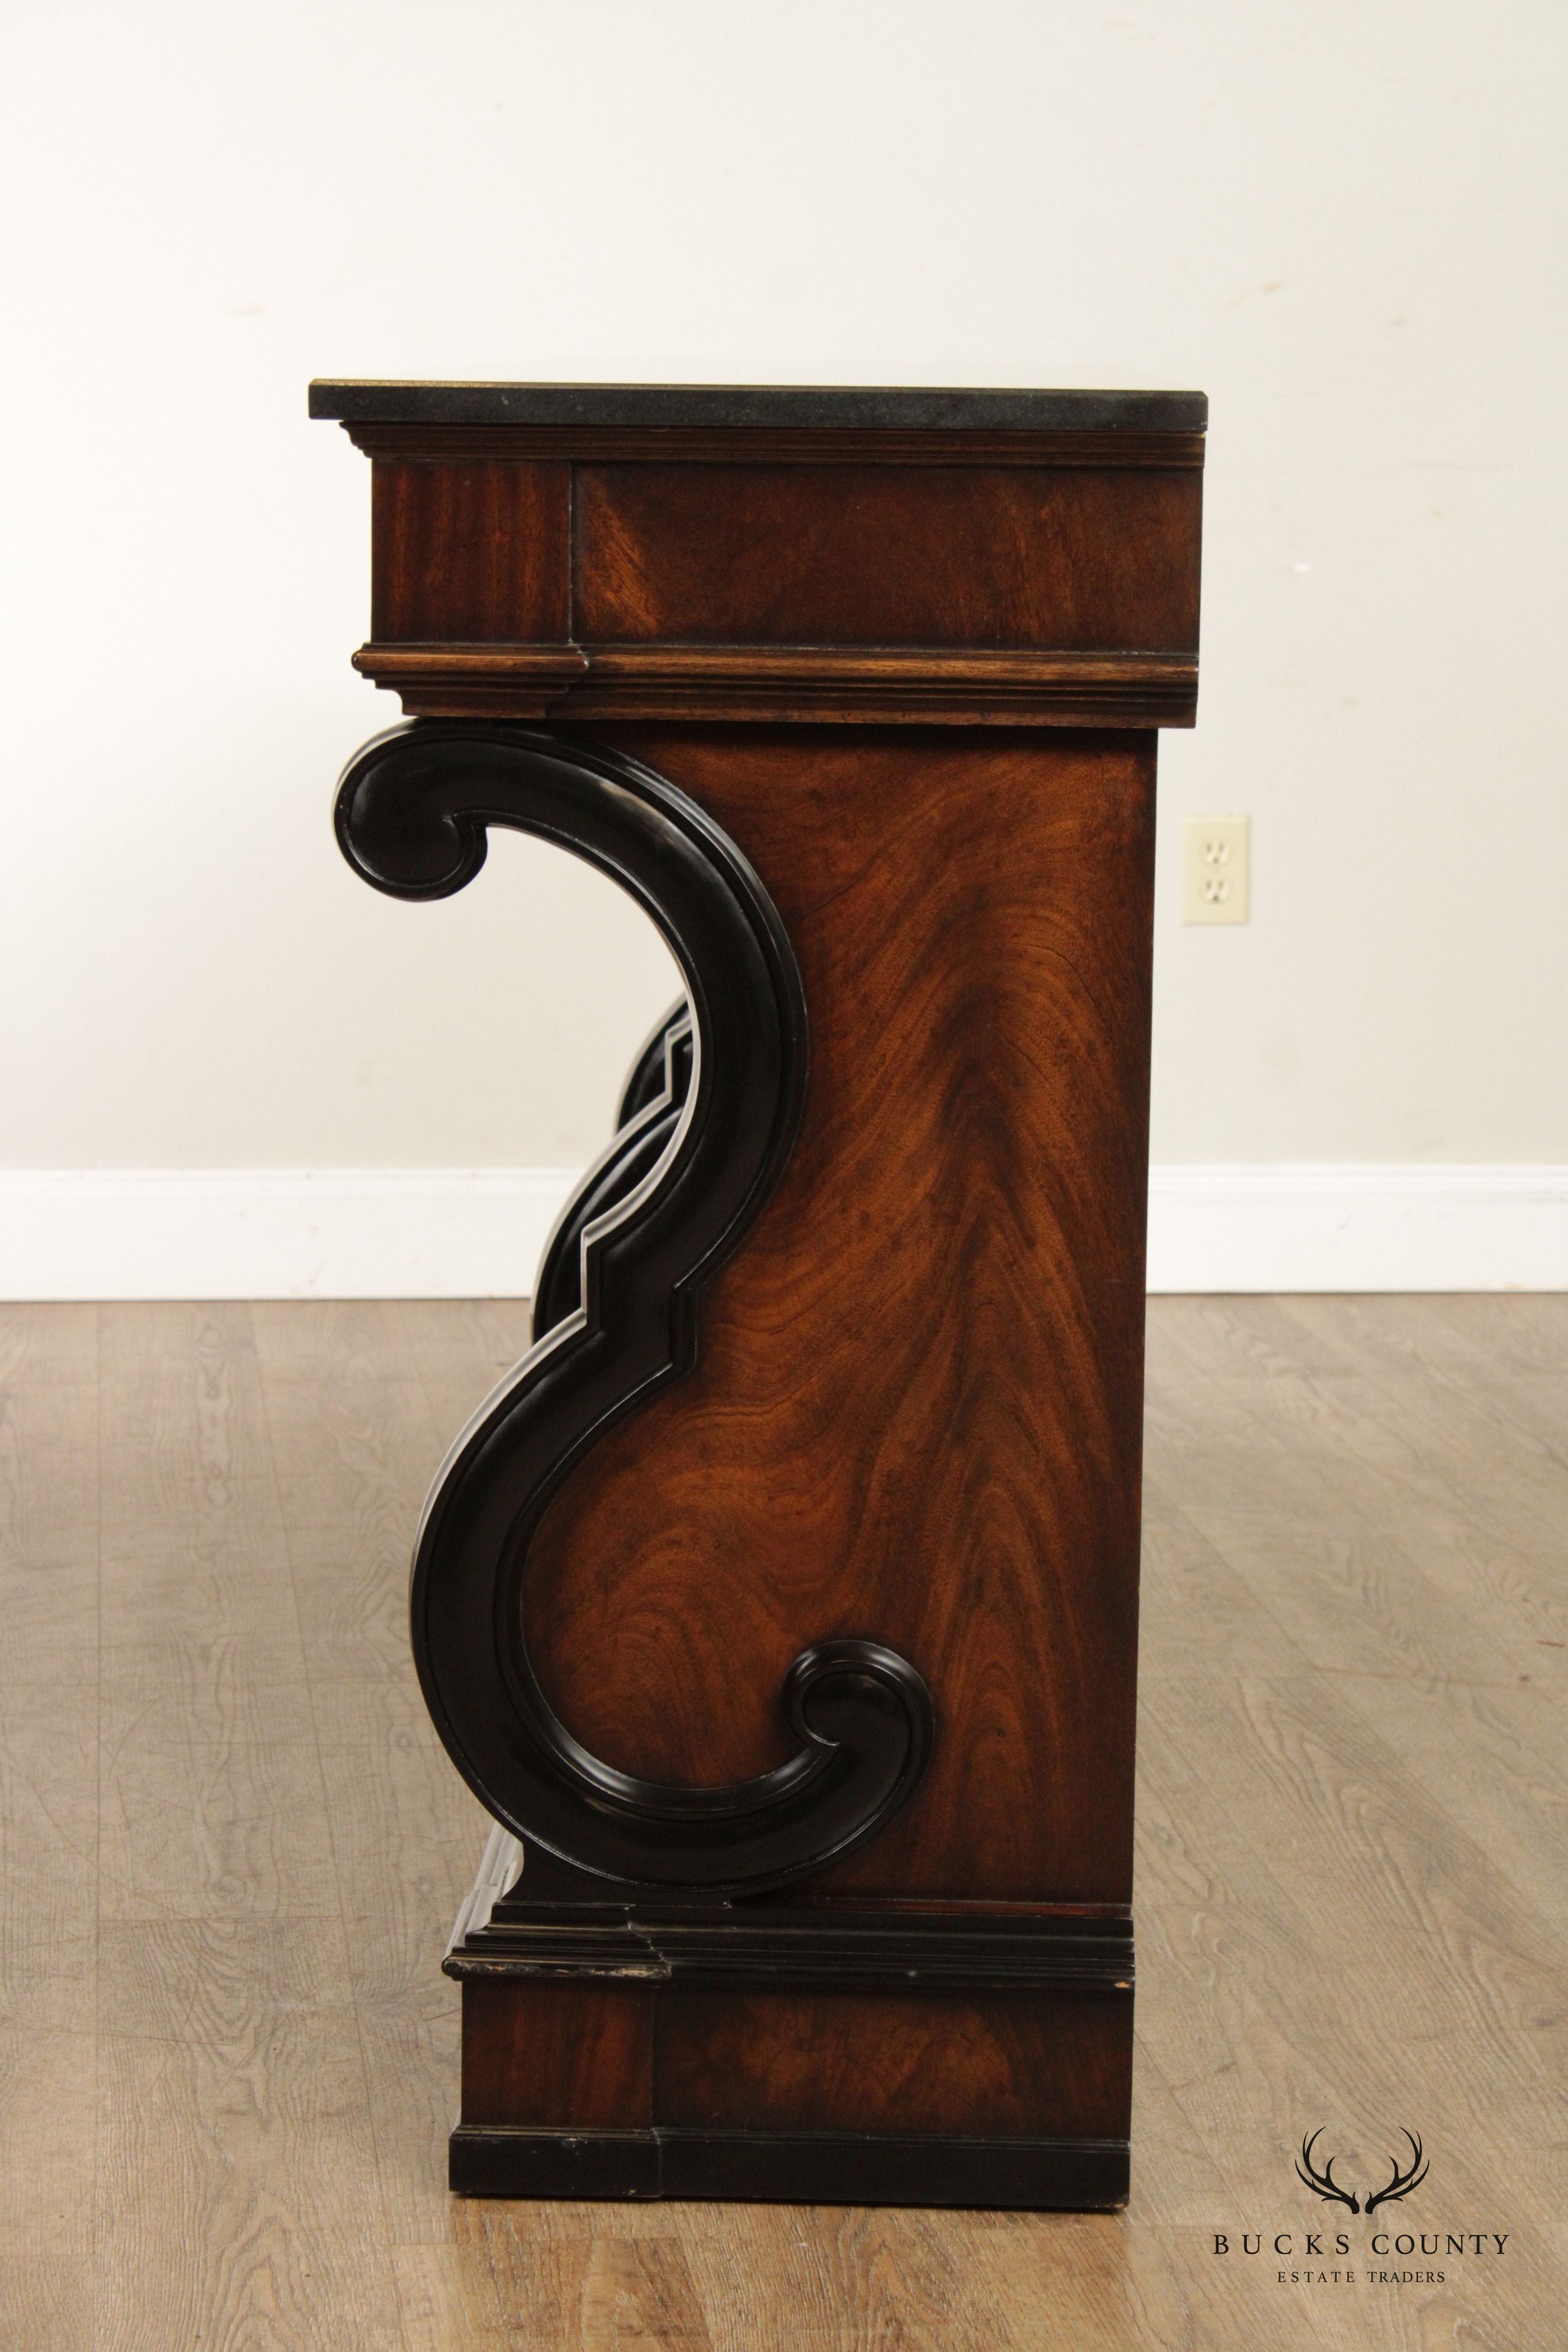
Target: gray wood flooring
point(231, 1850)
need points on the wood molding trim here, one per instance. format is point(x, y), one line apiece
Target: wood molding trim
point(537, 1919)
point(771, 683)
point(781, 446)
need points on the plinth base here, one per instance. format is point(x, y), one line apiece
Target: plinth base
point(790, 2167)
point(619, 2044)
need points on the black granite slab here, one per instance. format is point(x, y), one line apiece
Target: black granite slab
point(776, 407)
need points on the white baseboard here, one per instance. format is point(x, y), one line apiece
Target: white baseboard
point(458, 1233)
point(1320, 1227)
point(276, 1233)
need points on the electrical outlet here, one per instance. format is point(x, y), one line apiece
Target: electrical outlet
point(1216, 869)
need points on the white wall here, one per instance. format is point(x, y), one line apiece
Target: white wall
point(1343, 221)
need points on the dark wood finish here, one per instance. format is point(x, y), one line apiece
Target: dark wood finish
point(563, 2054)
point(916, 1411)
point(616, 2089)
point(473, 551)
point(412, 813)
point(996, 2069)
point(880, 672)
point(791, 2167)
point(1075, 560)
point(1012, 560)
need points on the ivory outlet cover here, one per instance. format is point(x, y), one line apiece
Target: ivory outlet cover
point(1216, 869)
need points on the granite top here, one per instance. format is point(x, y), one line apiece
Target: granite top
point(767, 407)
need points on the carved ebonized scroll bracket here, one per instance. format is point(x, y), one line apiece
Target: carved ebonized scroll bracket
point(712, 1127)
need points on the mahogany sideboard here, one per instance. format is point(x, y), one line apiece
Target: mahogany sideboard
point(781, 1606)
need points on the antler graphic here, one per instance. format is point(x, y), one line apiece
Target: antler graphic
point(1403, 2182)
point(1324, 2184)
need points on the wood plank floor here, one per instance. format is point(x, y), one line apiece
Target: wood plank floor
point(231, 1851)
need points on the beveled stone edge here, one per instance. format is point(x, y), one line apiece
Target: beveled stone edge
point(764, 407)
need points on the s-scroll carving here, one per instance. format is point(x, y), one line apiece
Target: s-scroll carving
point(723, 1106)
point(653, 1100)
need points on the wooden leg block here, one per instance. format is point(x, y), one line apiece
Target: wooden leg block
point(557, 2055)
point(881, 2097)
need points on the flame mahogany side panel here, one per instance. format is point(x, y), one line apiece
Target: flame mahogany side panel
point(1003, 556)
point(547, 2056)
point(477, 550)
point(916, 1407)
